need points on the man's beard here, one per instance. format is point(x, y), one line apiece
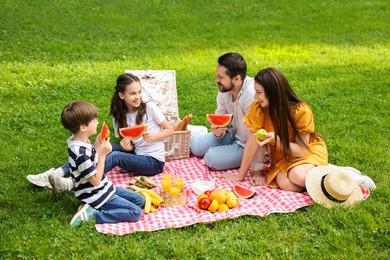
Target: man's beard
point(225, 89)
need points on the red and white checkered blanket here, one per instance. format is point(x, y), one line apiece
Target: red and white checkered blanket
point(265, 202)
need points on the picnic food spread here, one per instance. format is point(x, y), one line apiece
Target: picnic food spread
point(133, 131)
point(173, 194)
point(220, 120)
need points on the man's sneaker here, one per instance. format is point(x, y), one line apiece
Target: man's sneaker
point(365, 181)
point(84, 214)
point(61, 184)
point(357, 176)
point(362, 180)
point(346, 169)
point(42, 179)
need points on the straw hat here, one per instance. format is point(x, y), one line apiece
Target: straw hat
point(330, 187)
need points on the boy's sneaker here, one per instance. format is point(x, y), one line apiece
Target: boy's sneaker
point(84, 214)
point(42, 179)
point(61, 184)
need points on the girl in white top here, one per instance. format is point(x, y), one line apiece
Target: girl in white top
point(146, 154)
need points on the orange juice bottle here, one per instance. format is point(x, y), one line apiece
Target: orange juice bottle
point(166, 185)
point(179, 183)
point(174, 190)
point(166, 176)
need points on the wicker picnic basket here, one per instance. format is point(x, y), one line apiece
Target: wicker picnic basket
point(178, 145)
point(159, 86)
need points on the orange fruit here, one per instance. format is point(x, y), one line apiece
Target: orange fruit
point(213, 206)
point(222, 207)
point(232, 202)
point(218, 195)
point(201, 196)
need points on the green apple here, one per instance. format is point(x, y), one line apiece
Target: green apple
point(260, 134)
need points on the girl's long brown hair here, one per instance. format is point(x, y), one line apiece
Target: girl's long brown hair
point(281, 98)
point(118, 108)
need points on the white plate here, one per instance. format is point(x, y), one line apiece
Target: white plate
point(200, 186)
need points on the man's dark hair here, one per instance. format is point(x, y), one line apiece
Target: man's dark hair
point(234, 63)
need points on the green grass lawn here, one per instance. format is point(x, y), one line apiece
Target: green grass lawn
point(334, 53)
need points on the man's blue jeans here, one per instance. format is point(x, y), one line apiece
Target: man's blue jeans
point(218, 153)
point(123, 206)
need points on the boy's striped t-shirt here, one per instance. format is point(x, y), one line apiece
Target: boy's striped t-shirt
point(83, 160)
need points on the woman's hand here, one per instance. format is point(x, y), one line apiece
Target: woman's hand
point(258, 179)
point(229, 177)
point(126, 144)
point(269, 138)
point(218, 131)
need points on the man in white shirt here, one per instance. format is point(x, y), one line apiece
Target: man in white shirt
point(222, 148)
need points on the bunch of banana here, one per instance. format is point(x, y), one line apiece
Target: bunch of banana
point(152, 200)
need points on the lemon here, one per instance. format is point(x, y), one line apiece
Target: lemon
point(232, 202)
point(230, 194)
point(222, 207)
point(213, 206)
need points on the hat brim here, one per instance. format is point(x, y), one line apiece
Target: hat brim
point(313, 187)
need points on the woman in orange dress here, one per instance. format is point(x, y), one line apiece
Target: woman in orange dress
point(294, 146)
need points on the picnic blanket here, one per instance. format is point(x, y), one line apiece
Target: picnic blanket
point(265, 202)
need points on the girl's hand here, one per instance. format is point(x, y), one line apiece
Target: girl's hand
point(148, 137)
point(126, 144)
point(218, 131)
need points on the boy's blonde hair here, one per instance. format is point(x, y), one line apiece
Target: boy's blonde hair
point(78, 113)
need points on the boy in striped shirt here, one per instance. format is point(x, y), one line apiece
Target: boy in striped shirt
point(103, 201)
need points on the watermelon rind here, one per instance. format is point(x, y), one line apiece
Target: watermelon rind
point(243, 192)
point(220, 120)
point(133, 131)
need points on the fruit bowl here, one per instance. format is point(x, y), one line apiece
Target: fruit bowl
point(217, 200)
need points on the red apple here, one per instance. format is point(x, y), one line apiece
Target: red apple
point(204, 203)
point(208, 192)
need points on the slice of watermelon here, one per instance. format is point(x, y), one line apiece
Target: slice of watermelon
point(220, 120)
point(243, 192)
point(133, 131)
point(105, 132)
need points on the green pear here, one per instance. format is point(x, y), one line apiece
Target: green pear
point(260, 134)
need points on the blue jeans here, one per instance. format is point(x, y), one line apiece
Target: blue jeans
point(123, 206)
point(128, 161)
point(218, 153)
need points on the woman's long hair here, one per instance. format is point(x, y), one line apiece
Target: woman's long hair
point(281, 98)
point(118, 108)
